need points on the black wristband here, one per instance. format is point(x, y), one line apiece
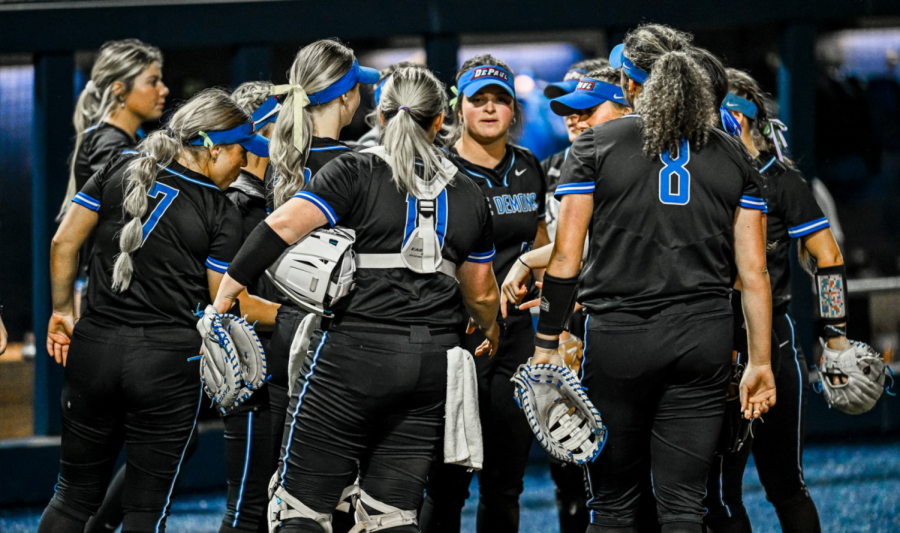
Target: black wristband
point(557, 304)
point(831, 289)
point(262, 248)
point(547, 344)
point(524, 263)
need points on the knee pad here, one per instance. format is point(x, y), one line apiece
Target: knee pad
point(283, 506)
point(390, 516)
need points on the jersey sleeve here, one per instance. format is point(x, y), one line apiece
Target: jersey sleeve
point(92, 192)
point(802, 213)
point(227, 237)
point(752, 195)
point(578, 174)
point(334, 188)
point(542, 194)
point(483, 251)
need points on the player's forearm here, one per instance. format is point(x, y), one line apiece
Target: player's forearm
point(756, 300)
point(259, 311)
point(484, 307)
point(539, 257)
point(226, 294)
point(63, 273)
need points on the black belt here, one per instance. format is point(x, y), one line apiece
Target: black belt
point(414, 332)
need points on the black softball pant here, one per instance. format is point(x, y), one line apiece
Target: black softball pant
point(253, 433)
point(777, 449)
point(124, 385)
point(659, 382)
point(369, 403)
point(507, 440)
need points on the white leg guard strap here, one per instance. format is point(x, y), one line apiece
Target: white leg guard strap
point(283, 506)
point(391, 517)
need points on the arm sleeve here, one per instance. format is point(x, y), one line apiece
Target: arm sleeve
point(227, 238)
point(334, 188)
point(578, 174)
point(483, 250)
point(802, 213)
point(752, 195)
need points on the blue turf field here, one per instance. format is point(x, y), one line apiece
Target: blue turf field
point(856, 488)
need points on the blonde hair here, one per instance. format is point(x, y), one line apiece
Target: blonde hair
point(676, 101)
point(405, 134)
point(118, 61)
point(209, 110)
point(315, 68)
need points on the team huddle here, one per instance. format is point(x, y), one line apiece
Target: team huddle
point(363, 309)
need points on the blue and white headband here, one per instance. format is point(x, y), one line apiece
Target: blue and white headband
point(617, 59)
point(733, 102)
point(479, 77)
point(356, 74)
point(245, 135)
point(266, 113)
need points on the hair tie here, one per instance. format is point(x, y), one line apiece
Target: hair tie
point(774, 130)
point(91, 87)
point(300, 100)
point(403, 108)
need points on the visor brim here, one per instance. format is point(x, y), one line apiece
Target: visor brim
point(368, 75)
point(560, 88)
point(476, 86)
point(257, 145)
point(575, 103)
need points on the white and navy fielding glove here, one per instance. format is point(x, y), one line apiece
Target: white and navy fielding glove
point(863, 369)
point(234, 362)
point(560, 414)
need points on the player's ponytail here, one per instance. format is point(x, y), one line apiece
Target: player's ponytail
point(410, 102)
point(118, 61)
point(676, 101)
point(209, 110)
point(316, 67)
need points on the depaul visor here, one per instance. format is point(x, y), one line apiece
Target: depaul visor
point(356, 74)
point(733, 102)
point(587, 94)
point(244, 135)
point(617, 59)
point(479, 77)
point(570, 80)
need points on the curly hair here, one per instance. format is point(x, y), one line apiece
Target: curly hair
point(676, 101)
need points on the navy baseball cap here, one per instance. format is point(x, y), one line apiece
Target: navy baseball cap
point(479, 77)
point(587, 94)
point(570, 80)
point(245, 135)
point(356, 74)
point(617, 59)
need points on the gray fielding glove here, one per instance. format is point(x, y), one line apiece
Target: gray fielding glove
point(234, 362)
point(864, 369)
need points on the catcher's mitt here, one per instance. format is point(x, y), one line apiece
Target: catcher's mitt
point(562, 417)
point(863, 369)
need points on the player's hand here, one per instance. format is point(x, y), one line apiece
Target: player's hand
point(491, 341)
point(59, 336)
point(515, 286)
point(546, 356)
point(757, 390)
point(571, 349)
point(3, 337)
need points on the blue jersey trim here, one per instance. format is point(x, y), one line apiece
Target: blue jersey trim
point(328, 148)
point(751, 202)
point(511, 165)
point(306, 380)
point(192, 180)
point(237, 507)
point(575, 188)
point(218, 266)
point(809, 227)
point(485, 257)
point(482, 176)
point(86, 201)
point(767, 165)
point(321, 204)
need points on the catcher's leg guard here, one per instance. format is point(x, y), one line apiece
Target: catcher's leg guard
point(391, 516)
point(283, 506)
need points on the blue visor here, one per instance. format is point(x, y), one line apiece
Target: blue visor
point(266, 113)
point(356, 74)
point(378, 89)
point(479, 77)
point(617, 59)
point(570, 80)
point(588, 93)
point(244, 135)
point(733, 102)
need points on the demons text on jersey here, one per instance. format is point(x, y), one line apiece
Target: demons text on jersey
point(515, 203)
